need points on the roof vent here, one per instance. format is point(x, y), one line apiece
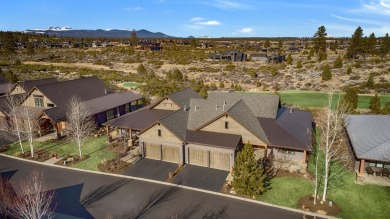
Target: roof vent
point(196, 108)
point(185, 107)
point(216, 107)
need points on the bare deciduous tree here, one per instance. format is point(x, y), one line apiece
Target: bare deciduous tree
point(34, 201)
point(11, 103)
point(80, 123)
point(336, 156)
point(27, 116)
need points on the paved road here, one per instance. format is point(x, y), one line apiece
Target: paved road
point(104, 195)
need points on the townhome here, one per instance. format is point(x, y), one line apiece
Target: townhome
point(210, 132)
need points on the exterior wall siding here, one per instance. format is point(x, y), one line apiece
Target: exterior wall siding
point(17, 90)
point(233, 128)
point(167, 104)
point(291, 162)
point(166, 135)
point(29, 101)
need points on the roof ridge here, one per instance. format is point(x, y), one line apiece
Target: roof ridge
point(67, 81)
point(376, 147)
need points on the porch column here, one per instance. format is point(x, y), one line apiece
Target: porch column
point(304, 157)
point(130, 137)
point(361, 168)
point(108, 133)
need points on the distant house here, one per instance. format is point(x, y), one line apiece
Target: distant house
point(185, 128)
point(276, 58)
point(259, 57)
point(229, 55)
point(369, 138)
point(146, 45)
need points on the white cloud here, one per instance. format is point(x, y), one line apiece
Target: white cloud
point(381, 7)
point(227, 4)
point(356, 19)
point(246, 30)
point(209, 23)
point(196, 19)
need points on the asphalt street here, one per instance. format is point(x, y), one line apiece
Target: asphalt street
point(86, 195)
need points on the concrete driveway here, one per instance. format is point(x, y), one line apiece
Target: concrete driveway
point(151, 169)
point(201, 177)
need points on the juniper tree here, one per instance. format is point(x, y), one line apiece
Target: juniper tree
point(326, 73)
point(350, 99)
point(248, 174)
point(375, 104)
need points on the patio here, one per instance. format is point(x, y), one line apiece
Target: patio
point(375, 177)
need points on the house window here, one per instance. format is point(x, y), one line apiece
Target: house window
point(110, 114)
point(372, 164)
point(387, 165)
point(50, 105)
point(284, 151)
point(38, 101)
point(159, 132)
point(226, 125)
point(127, 107)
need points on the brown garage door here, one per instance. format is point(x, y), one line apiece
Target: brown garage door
point(152, 151)
point(198, 157)
point(170, 154)
point(220, 160)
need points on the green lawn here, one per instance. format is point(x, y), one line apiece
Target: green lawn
point(355, 201)
point(132, 84)
point(95, 148)
point(320, 99)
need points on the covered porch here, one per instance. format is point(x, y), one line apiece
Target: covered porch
point(372, 172)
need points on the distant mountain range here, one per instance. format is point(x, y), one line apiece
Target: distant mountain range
point(99, 33)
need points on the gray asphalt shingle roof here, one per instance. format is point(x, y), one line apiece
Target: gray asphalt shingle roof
point(30, 84)
point(139, 119)
point(97, 105)
point(176, 122)
point(213, 139)
point(84, 88)
point(261, 105)
point(183, 97)
point(6, 87)
point(370, 136)
point(292, 129)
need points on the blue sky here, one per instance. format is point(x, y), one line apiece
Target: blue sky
point(215, 18)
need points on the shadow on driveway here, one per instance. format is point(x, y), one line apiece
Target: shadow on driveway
point(151, 169)
point(201, 177)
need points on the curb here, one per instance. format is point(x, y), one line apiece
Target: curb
point(304, 213)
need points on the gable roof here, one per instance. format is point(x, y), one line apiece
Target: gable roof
point(6, 88)
point(139, 119)
point(370, 136)
point(261, 105)
point(97, 105)
point(28, 85)
point(292, 129)
point(176, 122)
point(85, 88)
point(203, 112)
point(181, 98)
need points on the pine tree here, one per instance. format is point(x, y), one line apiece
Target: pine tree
point(320, 41)
point(370, 46)
point(385, 46)
point(370, 82)
point(326, 73)
point(141, 69)
point(267, 43)
point(338, 63)
point(375, 104)
point(349, 70)
point(248, 175)
point(133, 38)
point(356, 45)
point(221, 85)
point(386, 108)
point(350, 99)
point(299, 64)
